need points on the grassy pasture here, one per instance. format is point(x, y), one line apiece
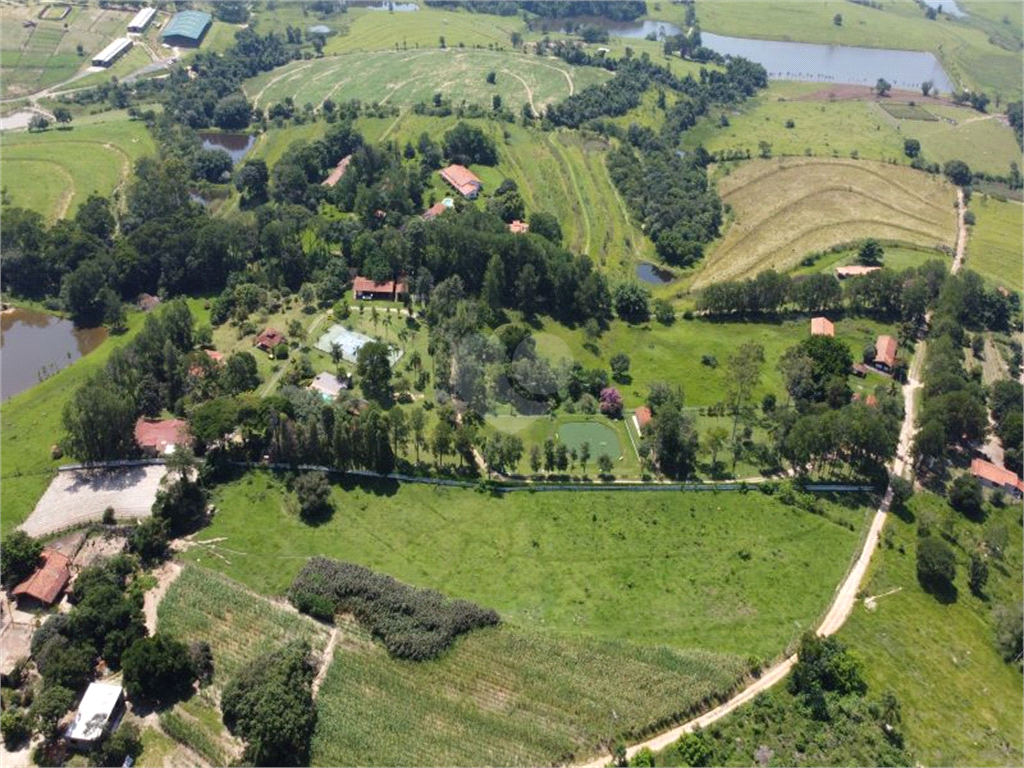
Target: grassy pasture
point(961, 704)
point(896, 258)
point(652, 568)
point(66, 166)
point(506, 696)
point(786, 208)
point(410, 76)
point(994, 243)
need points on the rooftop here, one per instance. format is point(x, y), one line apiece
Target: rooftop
point(643, 416)
point(885, 350)
point(326, 383)
point(855, 271)
point(187, 24)
point(464, 180)
point(113, 49)
point(986, 470)
point(49, 579)
point(94, 712)
point(518, 227)
point(161, 435)
point(270, 338)
point(366, 285)
point(820, 326)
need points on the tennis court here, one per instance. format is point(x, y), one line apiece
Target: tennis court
point(602, 439)
point(350, 343)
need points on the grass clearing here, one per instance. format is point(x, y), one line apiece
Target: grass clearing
point(962, 705)
point(787, 207)
point(994, 247)
point(652, 568)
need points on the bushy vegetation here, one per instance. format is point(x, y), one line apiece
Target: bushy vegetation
point(415, 624)
point(158, 668)
point(19, 557)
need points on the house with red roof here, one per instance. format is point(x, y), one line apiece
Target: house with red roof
point(885, 353)
point(518, 227)
point(269, 339)
point(47, 584)
point(820, 326)
point(157, 437)
point(997, 477)
point(854, 271)
point(641, 418)
point(462, 180)
point(365, 288)
point(434, 211)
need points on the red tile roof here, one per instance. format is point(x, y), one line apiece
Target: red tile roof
point(434, 211)
point(462, 179)
point(270, 338)
point(49, 580)
point(643, 416)
point(213, 354)
point(518, 227)
point(986, 470)
point(855, 271)
point(150, 433)
point(366, 285)
point(885, 350)
point(338, 172)
point(820, 326)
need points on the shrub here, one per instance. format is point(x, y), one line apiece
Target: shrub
point(108, 516)
point(19, 556)
point(936, 564)
point(122, 743)
point(158, 668)
point(15, 727)
point(416, 624)
point(965, 496)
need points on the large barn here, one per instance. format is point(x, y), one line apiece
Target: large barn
point(186, 29)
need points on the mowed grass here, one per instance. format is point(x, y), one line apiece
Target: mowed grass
point(826, 128)
point(508, 696)
point(53, 172)
point(961, 704)
point(410, 76)
point(786, 208)
point(652, 568)
point(994, 247)
point(30, 422)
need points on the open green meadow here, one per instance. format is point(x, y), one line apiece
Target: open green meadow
point(994, 247)
point(786, 208)
point(66, 166)
point(962, 705)
point(730, 572)
point(897, 258)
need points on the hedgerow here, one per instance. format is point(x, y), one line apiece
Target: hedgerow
point(415, 624)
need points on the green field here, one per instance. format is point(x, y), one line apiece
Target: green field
point(787, 208)
point(410, 76)
point(962, 705)
point(66, 166)
point(653, 568)
point(994, 247)
point(897, 258)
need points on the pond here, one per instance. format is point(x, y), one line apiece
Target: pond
point(235, 144)
point(835, 63)
point(638, 30)
point(652, 274)
point(35, 345)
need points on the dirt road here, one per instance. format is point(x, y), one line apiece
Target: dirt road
point(165, 576)
point(961, 232)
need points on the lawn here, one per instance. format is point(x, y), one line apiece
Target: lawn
point(896, 258)
point(994, 244)
point(730, 572)
point(58, 169)
point(786, 208)
point(962, 705)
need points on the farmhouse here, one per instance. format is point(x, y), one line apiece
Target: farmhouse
point(462, 180)
point(159, 437)
point(518, 227)
point(141, 20)
point(112, 52)
point(328, 385)
point(269, 339)
point(365, 288)
point(100, 710)
point(997, 477)
point(186, 29)
point(338, 171)
point(820, 326)
point(641, 418)
point(885, 353)
point(47, 584)
point(854, 271)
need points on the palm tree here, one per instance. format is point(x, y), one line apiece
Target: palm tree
point(335, 353)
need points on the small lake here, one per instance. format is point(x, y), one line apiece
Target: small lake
point(652, 274)
point(35, 345)
point(235, 144)
point(638, 30)
point(948, 7)
point(834, 63)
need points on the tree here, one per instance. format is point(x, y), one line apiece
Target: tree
point(441, 440)
point(19, 557)
point(496, 102)
point(958, 172)
point(716, 440)
point(123, 743)
point(100, 421)
point(911, 147)
point(546, 225)
point(870, 252)
point(764, 149)
point(252, 179)
point(62, 115)
point(926, 87)
point(63, 663)
point(15, 727)
point(584, 455)
point(936, 565)
point(882, 87)
point(535, 458)
point(965, 497)
point(38, 123)
point(611, 402)
point(49, 708)
point(632, 302)
point(605, 464)
point(978, 575)
point(240, 373)
point(744, 377)
point(418, 425)
point(148, 540)
point(182, 504)
point(664, 312)
point(373, 366)
point(466, 144)
point(157, 668)
point(314, 493)
point(619, 364)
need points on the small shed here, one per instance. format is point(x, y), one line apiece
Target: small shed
point(820, 326)
point(641, 418)
point(518, 227)
point(100, 711)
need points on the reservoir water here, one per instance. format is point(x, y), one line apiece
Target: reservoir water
point(652, 274)
point(235, 144)
point(35, 345)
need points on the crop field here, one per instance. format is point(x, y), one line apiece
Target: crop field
point(66, 166)
point(907, 111)
point(961, 704)
point(787, 208)
point(994, 247)
point(410, 76)
point(507, 696)
point(651, 568)
point(44, 54)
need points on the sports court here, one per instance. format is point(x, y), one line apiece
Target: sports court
point(350, 342)
point(602, 439)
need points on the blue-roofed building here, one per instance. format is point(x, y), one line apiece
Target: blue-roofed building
point(186, 29)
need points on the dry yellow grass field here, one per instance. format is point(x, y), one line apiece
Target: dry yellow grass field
point(786, 208)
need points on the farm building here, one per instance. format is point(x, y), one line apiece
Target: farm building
point(186, 29)
point(338, 171)
point(434, 211)
point(159, 437)
point(997, 477)
point(328, 385)
point(518, 227)
point(641, 418)
point(112, 52)
point(462, 180)
point(147, 301)
point(47, 584)
point(141, 20)
point(269, 339)
point(885, 353)
point(99, 712)
point(365, 288)
point(820, 326)
point(855, 271)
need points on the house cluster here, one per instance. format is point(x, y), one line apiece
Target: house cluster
point(886, 347)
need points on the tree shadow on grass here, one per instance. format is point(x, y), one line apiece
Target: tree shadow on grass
point(377, 486)
point(943, 591)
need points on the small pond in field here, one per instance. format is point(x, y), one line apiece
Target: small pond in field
point(652, 274)
point(35, 345)
point(235, 144)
